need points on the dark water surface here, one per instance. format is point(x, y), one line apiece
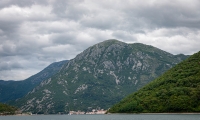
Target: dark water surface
point(106, 117)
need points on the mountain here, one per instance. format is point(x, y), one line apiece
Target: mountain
point(99, 77)
point(177, 90)
point(11, 90)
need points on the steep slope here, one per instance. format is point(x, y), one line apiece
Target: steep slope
point(11, 90)
point(99, 77)
point(177, 90)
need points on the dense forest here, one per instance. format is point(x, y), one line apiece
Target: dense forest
point(177, 90)
point(7, 110)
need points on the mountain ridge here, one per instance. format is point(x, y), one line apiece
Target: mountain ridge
point(11, 90)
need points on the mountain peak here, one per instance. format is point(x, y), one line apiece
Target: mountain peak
point(109, 42)
point(105, 47)
point(112, 41)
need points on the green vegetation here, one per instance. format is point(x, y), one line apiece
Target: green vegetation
point(177, 90)
point(7, 110)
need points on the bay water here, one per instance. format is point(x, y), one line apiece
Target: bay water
point(107, 117)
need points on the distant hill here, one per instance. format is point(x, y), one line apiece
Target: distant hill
point(7, 110)
point(177, 90)
point(11, 90)
point(99, 77)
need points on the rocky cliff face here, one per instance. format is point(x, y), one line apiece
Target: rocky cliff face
point(99, 77)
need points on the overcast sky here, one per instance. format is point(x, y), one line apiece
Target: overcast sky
point(35, 33)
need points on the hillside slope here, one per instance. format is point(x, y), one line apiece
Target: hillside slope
point(99, 77)
point(7, 110)
point(177, 90)
point(11, 90)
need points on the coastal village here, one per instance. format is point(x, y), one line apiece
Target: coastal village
point(94, 111)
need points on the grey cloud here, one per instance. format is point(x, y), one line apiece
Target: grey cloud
point(64, 38)
point(22, 3)
point(9, 30)
point(68, 9)
point(12, 48)
point(99, 23)
point(9, 27)
point(172, 14)
point(4, 65)
point(7, 50)
point(104, 20)
point(45, 31)
point(124, 36)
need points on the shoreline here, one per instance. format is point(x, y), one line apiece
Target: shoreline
point(153, 113)
point(111, 114)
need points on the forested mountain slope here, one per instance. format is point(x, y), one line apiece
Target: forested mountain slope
point(177, 90)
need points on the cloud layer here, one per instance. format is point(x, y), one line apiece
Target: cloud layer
point(35, 33)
